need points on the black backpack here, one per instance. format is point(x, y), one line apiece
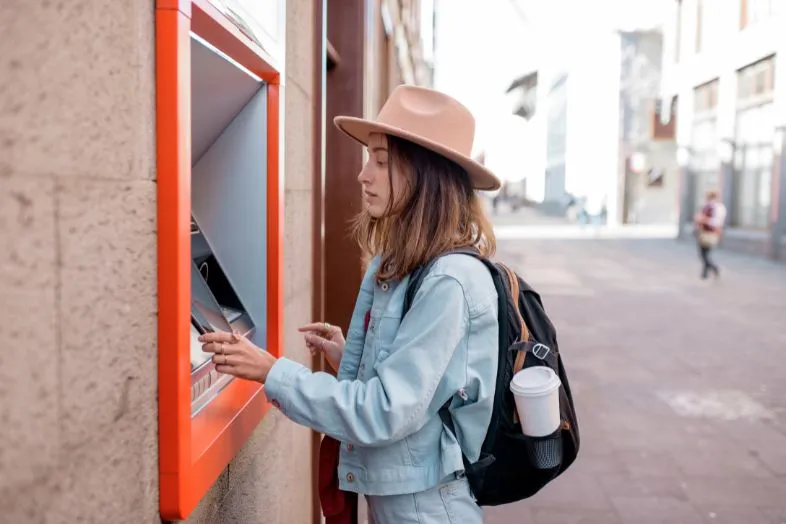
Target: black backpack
point(513, 466)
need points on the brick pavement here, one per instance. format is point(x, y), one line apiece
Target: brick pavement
point(680, 384)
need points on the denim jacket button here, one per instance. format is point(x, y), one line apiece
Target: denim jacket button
point(384, 286)
point(350, 477)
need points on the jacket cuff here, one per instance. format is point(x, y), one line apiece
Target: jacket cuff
point(279, 381)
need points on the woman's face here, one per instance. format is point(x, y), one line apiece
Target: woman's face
point(374, 177)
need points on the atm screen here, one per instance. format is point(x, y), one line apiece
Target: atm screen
point(205, 310)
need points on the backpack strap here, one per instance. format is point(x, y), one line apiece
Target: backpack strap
point(538, 350)
point(513, 285)
point(525, 345)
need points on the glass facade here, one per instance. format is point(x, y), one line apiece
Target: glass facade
point(753, 167)
point(753, 135)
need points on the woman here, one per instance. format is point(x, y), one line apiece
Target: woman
point(395, 373)
point(709, 223)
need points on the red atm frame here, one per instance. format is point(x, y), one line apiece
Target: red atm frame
point(194, 451)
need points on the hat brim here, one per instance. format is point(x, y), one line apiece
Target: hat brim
point(360, 129)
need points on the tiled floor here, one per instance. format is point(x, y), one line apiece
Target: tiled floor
point(680, 384)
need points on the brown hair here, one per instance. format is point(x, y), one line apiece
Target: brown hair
point(438, 210)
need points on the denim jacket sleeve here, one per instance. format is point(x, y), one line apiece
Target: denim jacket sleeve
point(400, 399)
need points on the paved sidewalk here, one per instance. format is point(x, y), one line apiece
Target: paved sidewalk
point(680, 384)
point(525, 216)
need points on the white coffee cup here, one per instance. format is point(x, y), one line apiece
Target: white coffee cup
point(536, 391)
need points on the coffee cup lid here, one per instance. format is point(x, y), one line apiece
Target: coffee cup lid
point(534, 381)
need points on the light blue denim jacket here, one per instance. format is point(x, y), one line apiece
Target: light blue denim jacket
point(383, 405)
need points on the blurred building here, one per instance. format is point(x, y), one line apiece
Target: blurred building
point(725, 74)
point(591, 117)
point(649, 169)
point(79, 224)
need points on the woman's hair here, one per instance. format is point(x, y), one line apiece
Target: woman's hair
point(437, 210)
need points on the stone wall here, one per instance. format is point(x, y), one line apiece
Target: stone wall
point(78, 373)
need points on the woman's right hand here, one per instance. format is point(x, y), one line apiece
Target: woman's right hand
point(324, 338)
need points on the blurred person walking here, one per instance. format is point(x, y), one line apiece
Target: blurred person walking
point(709, 222)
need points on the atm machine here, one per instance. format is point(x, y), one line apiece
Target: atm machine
point(228, 195)
point(220, 239)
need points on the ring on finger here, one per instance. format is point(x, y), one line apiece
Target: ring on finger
point(221, 348)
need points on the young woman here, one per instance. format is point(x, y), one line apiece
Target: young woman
point(394, 373)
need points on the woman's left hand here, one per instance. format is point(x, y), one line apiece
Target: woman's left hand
point(234, 354)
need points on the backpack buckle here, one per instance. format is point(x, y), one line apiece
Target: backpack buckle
point(541, 351)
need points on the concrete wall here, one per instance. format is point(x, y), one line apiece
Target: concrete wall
point(78, 270)
point(78, 376)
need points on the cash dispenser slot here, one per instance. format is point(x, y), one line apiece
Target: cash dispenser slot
point(213, 274)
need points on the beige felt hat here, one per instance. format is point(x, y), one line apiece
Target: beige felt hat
point(430, 119)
